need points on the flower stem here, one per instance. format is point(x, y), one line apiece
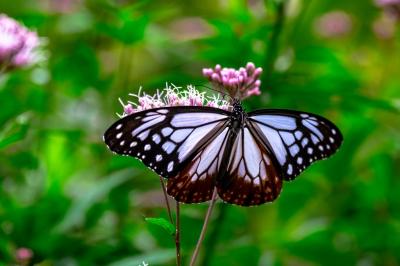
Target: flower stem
point(166, 200)
point(177, 236)
point(204, 229)
point(212, 240)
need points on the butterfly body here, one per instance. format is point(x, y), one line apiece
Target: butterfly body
point(246, 156)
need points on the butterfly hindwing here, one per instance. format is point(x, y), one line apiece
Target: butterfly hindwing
point(164, 138)
point(297, 139)
point(196, 182)
point(251, 177)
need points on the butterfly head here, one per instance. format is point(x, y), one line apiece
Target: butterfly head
point(237, 111)
point(237, 106)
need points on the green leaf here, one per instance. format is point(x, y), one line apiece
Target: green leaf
point(15, 130)
point(170, 228)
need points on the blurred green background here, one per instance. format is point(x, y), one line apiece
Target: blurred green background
point(66, 198)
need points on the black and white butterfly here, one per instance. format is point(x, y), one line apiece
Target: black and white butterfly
point(245, 155)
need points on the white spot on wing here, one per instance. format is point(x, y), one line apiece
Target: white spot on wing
point(133, 144)
point(158, 157)
point(298, 134)
point(288, 138)
point(156, 138)
point(170, 166)
point(162, 111)
point(289, 169)
point(118, 127)
point(294, 150)
point(168, 147)
point(166, 131)
point(147, 147)
point(299, 160)
point(180, 134)
point(119, 135)
point(304, 142)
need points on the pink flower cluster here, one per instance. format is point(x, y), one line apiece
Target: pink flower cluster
point(172, 96)
point(239, 84)
point(18, 45)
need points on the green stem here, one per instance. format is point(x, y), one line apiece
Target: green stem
point(166, 200)
point(209, 247)
point(177, 236)
point(204, 229)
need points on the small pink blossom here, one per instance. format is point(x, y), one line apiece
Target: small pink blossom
point(18, 45)
point(23, 255)
point(333, 24)
point(240, 83)
point(384, 27)
point(171, 96)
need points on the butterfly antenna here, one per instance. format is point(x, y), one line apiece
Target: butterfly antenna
point(218, 91)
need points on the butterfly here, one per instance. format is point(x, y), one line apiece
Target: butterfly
point(246, 156)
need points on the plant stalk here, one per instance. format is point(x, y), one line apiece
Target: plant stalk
point(204, 229)
point(166, 200)
point(177, 236)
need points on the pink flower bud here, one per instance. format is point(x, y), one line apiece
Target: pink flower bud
point(236, 82)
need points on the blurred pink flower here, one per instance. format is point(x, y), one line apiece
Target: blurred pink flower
point(189, 28)
point(65, 6)
point(18, 45)
point(171, 96)
point(333, 24)
point(23, 256)
point(240, 83)
point(384, 27)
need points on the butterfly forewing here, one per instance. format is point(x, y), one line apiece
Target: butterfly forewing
point(165, 138)
point(296, 139)
point(251, 177)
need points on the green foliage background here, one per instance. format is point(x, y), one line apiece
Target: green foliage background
point(72, 202)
